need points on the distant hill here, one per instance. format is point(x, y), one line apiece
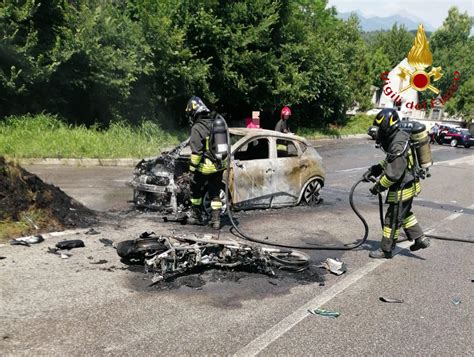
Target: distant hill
point(375, 23)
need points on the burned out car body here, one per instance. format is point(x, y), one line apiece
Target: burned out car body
point(268, 169)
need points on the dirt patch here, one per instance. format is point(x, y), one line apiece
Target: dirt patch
point(29, 205)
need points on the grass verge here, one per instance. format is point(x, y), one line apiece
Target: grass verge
point(44, 135)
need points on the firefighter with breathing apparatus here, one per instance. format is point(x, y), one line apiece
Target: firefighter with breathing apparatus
point(209, 147)
point(399, 173)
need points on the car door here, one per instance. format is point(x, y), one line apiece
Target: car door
point(288, 167)
point(252, 174)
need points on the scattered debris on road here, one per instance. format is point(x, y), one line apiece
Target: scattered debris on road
point(335, 266)
point(391, 300)
point(27, 241)
point(106, 242)
point(456, 301)
point(324, 313)
point(70, 244)
point(91, 231)
point(101, 261)
point(65, 255)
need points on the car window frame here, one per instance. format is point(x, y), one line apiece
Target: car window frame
point(295, 143)
point(250, 139)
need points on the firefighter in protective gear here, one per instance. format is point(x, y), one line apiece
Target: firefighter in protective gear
point(396, 175)
point(207, 170)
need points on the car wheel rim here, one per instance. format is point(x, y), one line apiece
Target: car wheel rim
point(312, 191)
point(454, 143)
point(207, 202)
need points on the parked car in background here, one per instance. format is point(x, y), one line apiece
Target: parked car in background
point(455, 137)
point(372, 132)
point(269, 169)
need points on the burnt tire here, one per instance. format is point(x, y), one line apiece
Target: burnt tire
point(312, 192)
point(290, 260)
point(134, 250)
point(467, 146)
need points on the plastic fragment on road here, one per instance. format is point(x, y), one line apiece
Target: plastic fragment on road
point(456, 301)
point(391, 300)
point(325, 313)
point(26, 241)
point(92, 231)
point(335, 266)
point(106, 242)
point(101, 261)
point(70, 244)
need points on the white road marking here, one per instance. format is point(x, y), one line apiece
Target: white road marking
point(454, 216)
point(285, 325)
point(462, 160)
point(354, 169)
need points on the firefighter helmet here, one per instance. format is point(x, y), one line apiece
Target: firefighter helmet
point(285, 111)
point(195, 106)
point(387, 121)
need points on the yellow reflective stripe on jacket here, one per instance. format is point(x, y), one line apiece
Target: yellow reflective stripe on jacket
point(383, 163)
point(409, 221)
point(386, 182)
point(208, 167)
point(387, 232)
point(196, 201)
point(195, 159)
point(406, 194)
point(216, 204)
point(192, 168)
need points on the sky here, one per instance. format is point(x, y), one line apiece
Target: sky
point(430, 11)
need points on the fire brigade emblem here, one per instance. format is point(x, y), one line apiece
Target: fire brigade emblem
point(420, 57)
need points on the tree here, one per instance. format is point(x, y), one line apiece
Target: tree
point(27, 38)
point(452, 47)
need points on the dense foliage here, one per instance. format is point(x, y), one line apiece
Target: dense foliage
point(97, 61)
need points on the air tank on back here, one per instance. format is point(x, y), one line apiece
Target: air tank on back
point(421, 142)
point(219, 140)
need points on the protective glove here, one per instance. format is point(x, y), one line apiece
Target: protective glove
point(376, 189)
point(373, 171)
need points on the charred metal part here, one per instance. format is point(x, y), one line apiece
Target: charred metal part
point(167, 257)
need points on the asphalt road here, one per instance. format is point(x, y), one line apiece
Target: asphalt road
point(51, 306)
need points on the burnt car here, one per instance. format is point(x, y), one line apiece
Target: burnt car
point(455, 137)
point(268, 169)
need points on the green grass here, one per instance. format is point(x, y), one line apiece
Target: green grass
point(45, 135)
point(357, 124)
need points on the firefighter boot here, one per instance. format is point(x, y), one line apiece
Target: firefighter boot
point(385, 250)
point(216, 219)
point(196, 216)
point(420, 243)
